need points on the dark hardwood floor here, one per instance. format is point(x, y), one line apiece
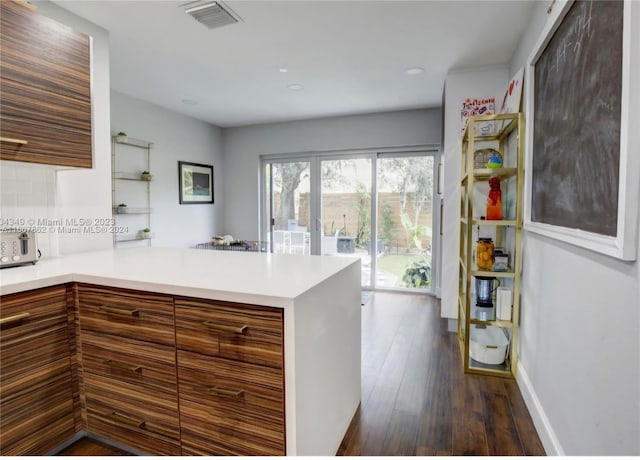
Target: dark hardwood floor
point(416, 400)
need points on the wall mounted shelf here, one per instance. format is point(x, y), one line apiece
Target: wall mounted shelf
point(129, 158)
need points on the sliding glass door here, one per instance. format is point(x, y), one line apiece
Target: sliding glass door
point(375, 206)
point(405, 221)
point(288, 209)
point(345, 210)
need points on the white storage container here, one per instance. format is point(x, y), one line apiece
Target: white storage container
point(488, 345)
point(504, 301)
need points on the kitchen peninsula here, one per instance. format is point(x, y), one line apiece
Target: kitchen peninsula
point(250, 353)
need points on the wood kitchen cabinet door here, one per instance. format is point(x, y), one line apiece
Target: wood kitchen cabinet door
point(229, 407)
point(131, 397)
point(36, 398)
point(128, 368)
point(45, 89)
point(247, 333)
point(132, 314)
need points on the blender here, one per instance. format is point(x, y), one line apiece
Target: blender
point(484, 297)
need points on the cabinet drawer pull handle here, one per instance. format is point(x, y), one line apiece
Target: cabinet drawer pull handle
point(121, 365)
point(14, 318)
point(125, 419)
point(226, 392)
point(12, 140)
point(119, 311)
point(221, 327)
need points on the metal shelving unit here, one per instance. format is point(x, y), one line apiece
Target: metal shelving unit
point(126, 156)
point(507, 137)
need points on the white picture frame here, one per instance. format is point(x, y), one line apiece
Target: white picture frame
point(624, 244)
point(512, 100)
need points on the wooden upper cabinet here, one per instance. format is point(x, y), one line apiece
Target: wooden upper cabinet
point(45, 89)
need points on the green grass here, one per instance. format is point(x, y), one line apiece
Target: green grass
point(396, 264)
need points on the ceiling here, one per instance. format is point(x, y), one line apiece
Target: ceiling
point(351, 57)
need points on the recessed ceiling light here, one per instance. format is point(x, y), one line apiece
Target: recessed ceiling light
point(414, 71)
point(295, 87)
point(189, 102)
point(283, 70)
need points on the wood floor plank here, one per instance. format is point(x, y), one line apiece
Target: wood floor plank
point(502, 436)
point(402, 433)
point(531, 444)
point(469, 436)
point(436, 421)
point(416, 398)
point(412, 394)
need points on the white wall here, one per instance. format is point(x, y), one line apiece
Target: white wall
point(244, 145)
point(580, 335)
point(460, 84)
point(39, 192)
point(176, 138)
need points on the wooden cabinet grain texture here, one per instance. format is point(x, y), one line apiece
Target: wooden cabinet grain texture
point(127, 348)
point(230, 378)
point(36, 398)
point(45, 89)
point(133, 314)
point(245, 333)
point(229, 407)
point(224, 395)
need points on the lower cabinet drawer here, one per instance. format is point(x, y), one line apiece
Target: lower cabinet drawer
point(229, 407)
point(26, 362)
point(34, 331)
point(131, 392)
point(248, 333)
point(38, 413)
point(121, 427)
point(143, 419)
point(36, 393)
point(149, 365)
point(131, 314)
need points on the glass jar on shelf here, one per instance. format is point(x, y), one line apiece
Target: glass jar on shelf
point(484, 253)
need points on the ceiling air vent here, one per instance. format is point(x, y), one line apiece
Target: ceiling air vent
point(211, 14)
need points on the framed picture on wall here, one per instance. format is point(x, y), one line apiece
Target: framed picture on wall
point(196, 183)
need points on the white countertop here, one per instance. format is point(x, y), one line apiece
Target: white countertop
point(258, 278)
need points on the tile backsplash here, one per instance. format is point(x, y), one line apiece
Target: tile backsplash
point(27, 200)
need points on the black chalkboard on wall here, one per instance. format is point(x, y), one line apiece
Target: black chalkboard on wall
point(577, 118)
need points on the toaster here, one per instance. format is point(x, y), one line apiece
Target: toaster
point(18, 248)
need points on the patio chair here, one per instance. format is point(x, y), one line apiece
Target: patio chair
point(281, 242)
point(299, 243)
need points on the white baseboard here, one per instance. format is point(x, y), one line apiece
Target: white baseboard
point(543, 426)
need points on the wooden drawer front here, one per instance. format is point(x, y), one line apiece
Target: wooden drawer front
point(133, 415)
point(254, 335)
point(133, 361)
point(34, 334)
point(129, 435)
point(29, 357)
point(45, 93)
point(230, 408)
point(131, 314)
point(38, 414)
